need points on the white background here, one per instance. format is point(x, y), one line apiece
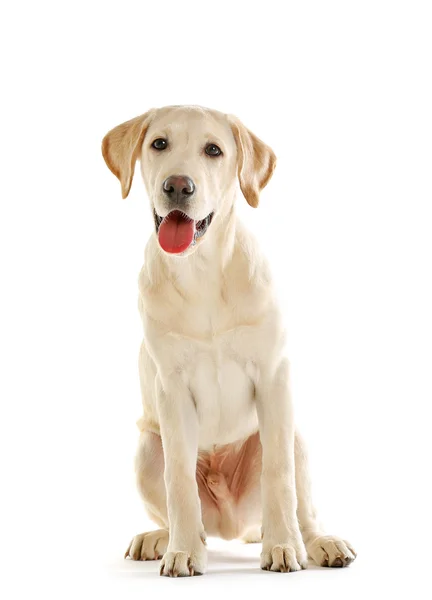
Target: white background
point(342, 92)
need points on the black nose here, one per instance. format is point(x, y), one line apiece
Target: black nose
point(178, 187)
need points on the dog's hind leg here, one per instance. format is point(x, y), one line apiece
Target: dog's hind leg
point(149, 466)
point(325, 550)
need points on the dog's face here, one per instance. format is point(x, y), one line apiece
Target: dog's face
point(188, 162)
point(191, 159)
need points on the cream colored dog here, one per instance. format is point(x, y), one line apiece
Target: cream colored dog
point(218, 451)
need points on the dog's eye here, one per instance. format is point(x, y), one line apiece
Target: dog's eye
point(213, 150)
point(160, 144)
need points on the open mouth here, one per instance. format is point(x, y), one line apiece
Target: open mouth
point(176, 232)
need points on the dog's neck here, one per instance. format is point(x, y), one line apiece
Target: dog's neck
point(223, 273)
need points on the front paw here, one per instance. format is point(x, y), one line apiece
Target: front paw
point(284, 558)
point(183, 564)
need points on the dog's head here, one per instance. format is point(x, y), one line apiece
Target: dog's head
point(191, 159)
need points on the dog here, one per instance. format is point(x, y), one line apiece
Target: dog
point(218, 451)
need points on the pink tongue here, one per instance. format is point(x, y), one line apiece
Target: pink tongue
point(176, 232)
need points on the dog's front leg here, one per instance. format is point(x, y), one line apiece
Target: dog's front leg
point(186, 554)
point(283, 549)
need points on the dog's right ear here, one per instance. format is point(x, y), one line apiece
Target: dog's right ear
point(121, 147)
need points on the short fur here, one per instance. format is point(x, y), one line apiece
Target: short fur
point(218, 451)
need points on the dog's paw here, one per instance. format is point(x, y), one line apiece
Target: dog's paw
point(252, 536)
point(284, 558)
point(331, 551)
point(148, 546)
point(183, 564)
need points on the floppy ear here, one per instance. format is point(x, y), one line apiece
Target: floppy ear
point(255, 162)
point(121, 147)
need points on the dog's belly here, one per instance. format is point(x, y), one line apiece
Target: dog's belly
point(228, 480)
point(224, 396)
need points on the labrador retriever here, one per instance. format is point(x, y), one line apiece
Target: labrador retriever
point(218, 451)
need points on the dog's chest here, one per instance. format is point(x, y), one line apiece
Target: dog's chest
point(214, 338)
point(221, 381)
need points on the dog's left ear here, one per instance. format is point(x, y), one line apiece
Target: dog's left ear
point(121, 147)
point(255, 161)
